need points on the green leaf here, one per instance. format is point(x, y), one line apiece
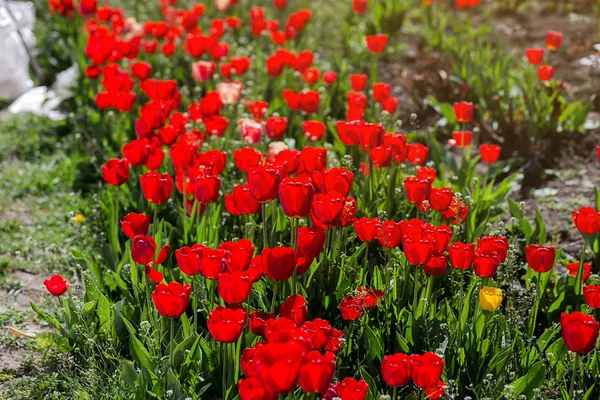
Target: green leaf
point(129, 373)
point(374, 343)
point(534, 379)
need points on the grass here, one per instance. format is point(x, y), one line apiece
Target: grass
point(41, 181)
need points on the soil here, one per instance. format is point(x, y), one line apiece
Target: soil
point(569, 180)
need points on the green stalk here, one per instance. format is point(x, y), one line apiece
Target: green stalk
point(275, 287)
point(224, 363)
point(416, 289)
point(575, 369)
point(116, 246)
point(395, 393)
point(536, 305)
point(172, 341)
point(263, 207)
point(195, 301)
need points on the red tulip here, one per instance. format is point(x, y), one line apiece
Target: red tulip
point(463, 111)
point(369, 135)
point(442, 236)
point(226, 324)
point(211, 262)
point(188, 259)
point(587, 220)
point(381, 91)
point(276, 127)
point(246, 158)
point(339, 180)
point(141, 70)
point(156, 187)
point(573, 269)
point(310, 245)
point(462, 138)
point(313, 159)
point(535, 56)
point(380, 156)
point(311, 75)
point(485, 263)
point(360, 6)
point(553, 40)
point(296, 196)
point(417, 190)
point(327, 207)
point(461, 255)
point(440, 199)
point(56, 285)
point(436, 266)
point(540, 258)
point(313, 130)
point(498, 245)
point(243, 201)
point(389, 234)
point(207, 188)
point(294, 309)
point(171, 300)
point(263, 183)
point(352, 308)
point(418, 251)
point(396, 369)
point(253, 389)
point(135, 224)
point(489, 153)
point(545, 73)
point(137, 151)
point(591, 294)
point(279, 262)
point(366, 228)
point(278, 365)
point(310, 101)
point(579, 331)
point(316, 371)
point(257, 321)
point(143, 249)
point(234, 287)
point(116, 171)
point(239, 254)
point(376, 43)
point(417, 153)
point(351, 389)
point(436, 391)
point(330, 77)
point(427, 369)
point(427, 174)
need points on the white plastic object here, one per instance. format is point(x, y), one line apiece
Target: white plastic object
point(14, 59)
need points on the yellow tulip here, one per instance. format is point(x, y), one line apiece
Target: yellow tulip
point(79, 219)
point(490, 298)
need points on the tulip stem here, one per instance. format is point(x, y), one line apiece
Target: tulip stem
point(155, 222)
point(195, 302)
point(263, 207)
point(575, 368)
point(295, 227)
point(415, 289)
point(579, 283)
point(430, 296)
point(395, 393)
point(184, 211)
point(275, 287)
point(172, 342)
point(536, 305)
point(224, 363)
point(116, 246)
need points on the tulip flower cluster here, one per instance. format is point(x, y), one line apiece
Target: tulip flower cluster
point(266, 196)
